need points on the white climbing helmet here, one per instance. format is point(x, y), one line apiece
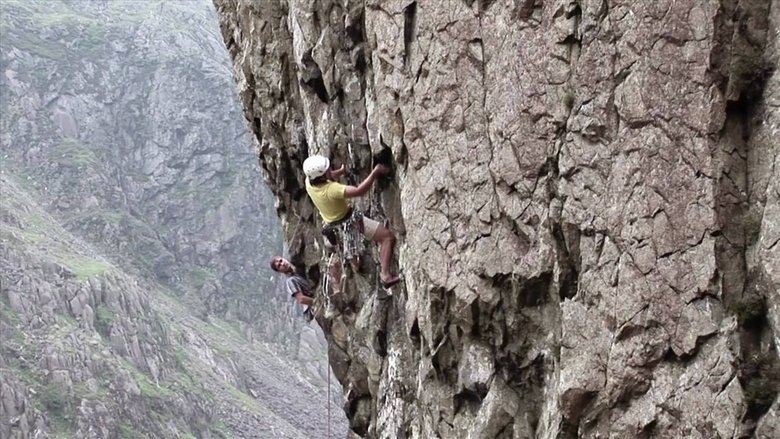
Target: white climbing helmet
point(315, 166)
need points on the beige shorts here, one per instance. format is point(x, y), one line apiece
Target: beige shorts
point(370, 227)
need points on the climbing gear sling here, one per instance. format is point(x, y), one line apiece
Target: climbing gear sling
point(346, 234)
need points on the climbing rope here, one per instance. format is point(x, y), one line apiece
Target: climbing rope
point(328, 366)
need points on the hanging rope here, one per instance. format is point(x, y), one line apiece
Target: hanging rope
point(328, 365)
point(370, 211)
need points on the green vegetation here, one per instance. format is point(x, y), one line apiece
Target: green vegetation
point(54, 397)
point(59, 404)
point(220, 428)
point(36, 220)
point(182, 361)
point(7, 314)
point(35, 45)
point(97, 215)
point(28, 236)
point(45, 235)
point(32, 226)
point(112, 216)
point(185, 378)
point(126, 431)
point(139, 176)
point(184, 191)
point(219, 331)
point(149, 389)
point(247, 400)
point(104, 319)
point(39, 27)
point(59, 13)
point(73, 153)
point(13, 365)
point(86, 268)
point(61, 430)
point(200, 276)
point(152, 390)
point(94, 41)
point(40, 73)
point(568, 98)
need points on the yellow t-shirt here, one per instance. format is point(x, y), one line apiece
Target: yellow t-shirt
point(330, 200)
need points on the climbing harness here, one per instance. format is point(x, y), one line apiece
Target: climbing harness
point(346, 234)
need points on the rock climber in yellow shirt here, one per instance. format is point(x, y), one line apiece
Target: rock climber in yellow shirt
point(332, 201)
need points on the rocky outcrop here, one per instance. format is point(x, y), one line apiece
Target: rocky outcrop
point(88, 351)
point(585, 194)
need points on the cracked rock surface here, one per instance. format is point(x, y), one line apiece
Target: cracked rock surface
point(586, 196)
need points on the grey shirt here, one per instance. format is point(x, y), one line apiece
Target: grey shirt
point(295, 284)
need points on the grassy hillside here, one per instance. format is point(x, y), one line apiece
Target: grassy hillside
point(80, 337)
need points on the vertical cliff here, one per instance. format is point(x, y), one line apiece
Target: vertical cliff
point(586, 195)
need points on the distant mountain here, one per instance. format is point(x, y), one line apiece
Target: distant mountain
point(136, 298)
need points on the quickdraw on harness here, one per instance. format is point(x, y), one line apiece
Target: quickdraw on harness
point(346, 235)
point(346, 238)
point(333, 281)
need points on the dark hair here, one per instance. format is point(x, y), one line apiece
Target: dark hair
point(318, 181)
point(273, 266)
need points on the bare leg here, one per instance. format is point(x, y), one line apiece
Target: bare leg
point(386, 241)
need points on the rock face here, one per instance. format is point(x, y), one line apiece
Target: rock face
point(585, 194)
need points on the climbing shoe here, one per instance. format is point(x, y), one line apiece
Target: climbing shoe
point(384, 293)
point(391, 282)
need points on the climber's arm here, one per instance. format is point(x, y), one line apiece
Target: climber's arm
point(338, 173)
point(303, 299)
point(365, 185)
